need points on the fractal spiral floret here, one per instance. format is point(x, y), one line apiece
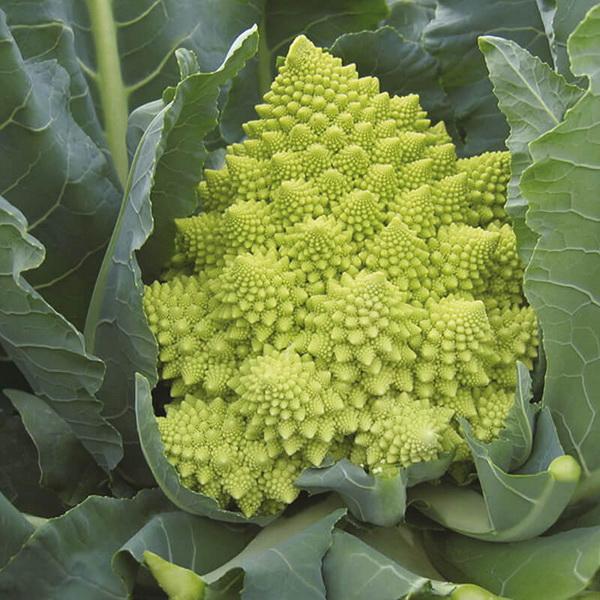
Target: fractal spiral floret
point(350, 289)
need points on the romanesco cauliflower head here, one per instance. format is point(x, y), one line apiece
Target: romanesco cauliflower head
point(350, 289)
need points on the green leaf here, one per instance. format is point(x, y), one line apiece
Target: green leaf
point(554, 567)
point(512, 506)
point(71, 554)
point(581, 518)
point(166, 474)
point(126, 50)
point(66, 467)
point(48, 350)
point(177, 582)
point(546, 445)
point(451, 38)
point(42, 30)
point(567, 15)
point(401, 544)
point(379, 499)
point(353, 570)
point(402, 66)
point(519, 425)
point(20, 473)
point(56, 175)
point(281, 22)
point(533, 99)
point(515, 501)
point(10, 376)
point(562, 279)
point(190, 542)
point(410, 17)
point(284, 559)
point(15, 530)
point(116, 327)
point(192, 116)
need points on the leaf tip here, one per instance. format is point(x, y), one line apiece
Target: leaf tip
point(485, 43)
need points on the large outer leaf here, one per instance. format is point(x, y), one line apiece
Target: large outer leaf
point(284, 559)
point(282, 21)
point(512, 506)
point(116, 327)
point(165, 473)
point(533, 99)
point(71, 555)
point(562, 281)
point(66, 467)
point(402, 66)
point(125, 50)
point(56, 175)
point(48, 350)
point(353, 570)
point(567, 15)
point(195, 543)
point(15, 530)
point(410, 17)
point(554, 567)
point(20, 473)
point(451, 38)
point(518, 429)
point(178, 172)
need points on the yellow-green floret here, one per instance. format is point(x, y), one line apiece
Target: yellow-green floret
point(349, 289)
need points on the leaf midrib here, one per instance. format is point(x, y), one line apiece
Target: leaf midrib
point(113, 93)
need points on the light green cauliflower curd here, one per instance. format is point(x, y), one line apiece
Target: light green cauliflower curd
point(349, 290)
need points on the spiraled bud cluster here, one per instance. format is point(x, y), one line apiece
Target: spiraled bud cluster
point(349, 288)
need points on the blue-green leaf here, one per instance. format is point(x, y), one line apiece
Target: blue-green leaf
point(71, 554)
point(567, 15)
point(533, 99)
point(66, 466)
point(451, 37)
point(56, 175)
point(562, 281)
point(512, 506)
point(284, 559)
point(554, 567)
point(378, 499)
point(189, 542)
point(48, 350)
point(20, 472)
point(353, 570)
point(410, 17)
point(15, 530)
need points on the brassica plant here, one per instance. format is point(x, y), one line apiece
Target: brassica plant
point(299, 300)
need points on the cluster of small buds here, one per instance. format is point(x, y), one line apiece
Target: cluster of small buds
point(349, 288)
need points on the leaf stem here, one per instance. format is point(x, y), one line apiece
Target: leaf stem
point(264, 60)
point(113, 94)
